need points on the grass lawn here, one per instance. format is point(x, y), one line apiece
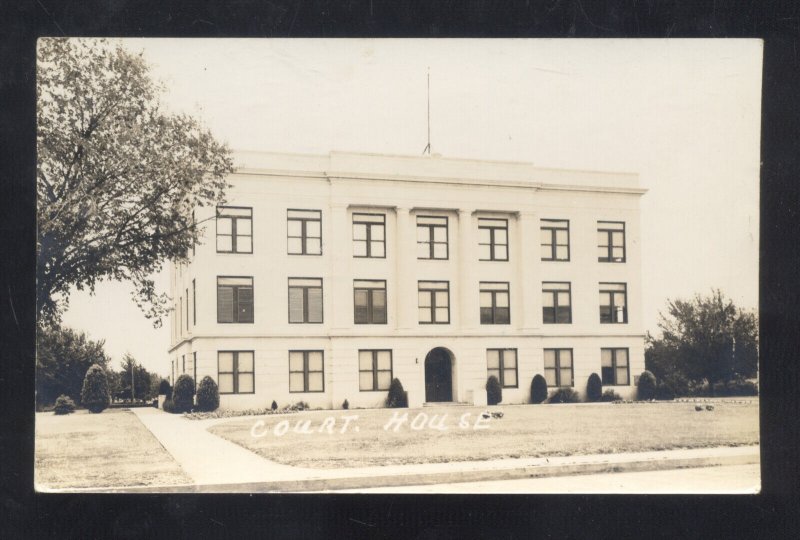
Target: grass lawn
point(109, 449)
point(524, 431)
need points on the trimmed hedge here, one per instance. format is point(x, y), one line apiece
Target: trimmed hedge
point(647, 386)
point(397, 397)
point(169, 406)
point(610, 395)
point(664, 391)
point(64, 405)
point(183, 394)
point(95, 394)
point(345, 404)
point(164, 389)
point(274, 405)
point(594, 388)
point(207, 395)
point(538, 389)
point(565, 395)
point(494, 392)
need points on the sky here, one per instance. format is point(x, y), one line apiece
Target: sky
point(684, 114)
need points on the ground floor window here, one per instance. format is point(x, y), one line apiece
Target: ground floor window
point(614, 366)
point(306, 371)
point(235, 372)
point(374, 370)
point(502, 363)
point(558, 367)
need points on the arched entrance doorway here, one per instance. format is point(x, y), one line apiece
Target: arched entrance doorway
point(438, 375)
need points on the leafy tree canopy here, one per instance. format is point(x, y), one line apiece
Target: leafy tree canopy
point(117, 177)
point(707, 337)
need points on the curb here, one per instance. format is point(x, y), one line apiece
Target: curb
point(418, 479)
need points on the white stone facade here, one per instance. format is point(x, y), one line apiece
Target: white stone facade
point(402, 189)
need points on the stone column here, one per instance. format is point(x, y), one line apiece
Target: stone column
point(405, 293)
point(467, 288)
point(527, 284)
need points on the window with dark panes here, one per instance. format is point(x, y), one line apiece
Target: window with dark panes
point(234, 299)
point(234, 229)
point(194, 302)
point(306, 371)
point(555, 239)
point(614, 367)
point(432, 233)
point(492, 239)
point(556, 302)
point(434, 302)
point(611, 241)
point(374, 370)
point(305, 300)
point(613, 303)
point(502, 363)
point(304, 232)
point(369, 235)
point(558, 367)
point(494, 299)
point(369, 301)
point(187, 309)
point(235, 372)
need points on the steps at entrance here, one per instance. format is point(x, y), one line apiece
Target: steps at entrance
point(446, 404)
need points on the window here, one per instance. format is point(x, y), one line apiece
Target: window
point(614, 366)
point(304, 232)
point(183, 363)
point(555, 239)
point(493, 239)
point(194, 303)
point(432, 237)
point(234, 229)
point(234, 299)
point(235, 372)
point(306, 372)
point(369, 299)
point(369, 235)
point(374, 370)
point(187, 309)
point(180, 315)
point(611, 241)
point(434, 302)
point(558, 367)
point(494, 303)
point(556, 302)
point(305, 300)
point(613, 303)
point(502, 363)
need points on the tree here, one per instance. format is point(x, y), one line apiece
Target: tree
point(142, 380)
point(707, 338)
point(207, 395)
point(494, 392)
point(94, 394)
point(183, 394)
point(117, 178)
point(594, 388)
point(63, 356)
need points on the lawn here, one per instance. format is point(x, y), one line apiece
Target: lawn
point(523, 431)
point(110, 449)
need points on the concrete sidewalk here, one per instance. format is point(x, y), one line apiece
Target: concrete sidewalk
point(217, 465)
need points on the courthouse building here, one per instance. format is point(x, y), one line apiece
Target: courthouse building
point(323, 277)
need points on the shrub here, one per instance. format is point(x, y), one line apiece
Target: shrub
point(494, 392)
point(183, 394)
point(594, 388)
point(274, 405)
point(169, 406)
point(207, 395)
point(64, 405)
point(538, 389)
point(664, 391)
point(742, 387)
point(164, 389)
point(610, 395)
point(719, 389)
point(345, 404)
point(94, 394)
point(397, 397)
point(565, 395)
point(647, 386)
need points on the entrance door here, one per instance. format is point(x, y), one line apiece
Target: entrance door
point(438, 376)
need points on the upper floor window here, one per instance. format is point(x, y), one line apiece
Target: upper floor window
point(502, 363)
point(304, 232)
point(369, 235)
point(235, 372)
point(434, 302)
point(555, 239)
point(234, 299)
point(556, 302)
point(374, 370)
point(613, 303)
point(495, 303)
point(558, 367)
point(306, 371)
point(493, 239)
point(611, 241)
point(614, 366)
point(305, 300)
point(432, 237)
point(369, 299)
point(234, 229)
